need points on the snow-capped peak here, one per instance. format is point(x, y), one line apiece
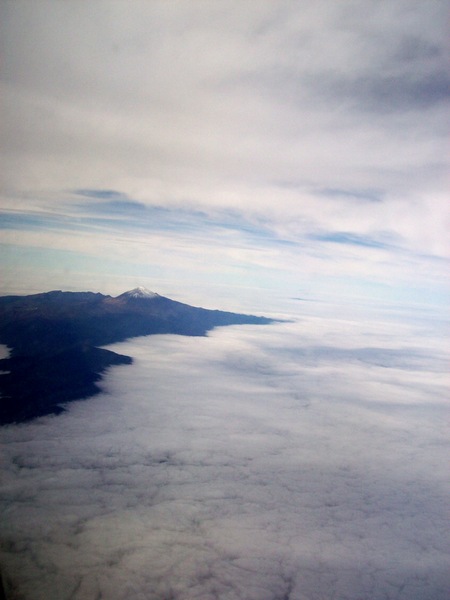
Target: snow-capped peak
point(139, 292)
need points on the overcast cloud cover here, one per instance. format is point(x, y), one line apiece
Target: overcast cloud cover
point(299, 461)
point(273, 157)
point(263, 145)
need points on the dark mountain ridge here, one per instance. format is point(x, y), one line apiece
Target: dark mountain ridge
point(54, 337)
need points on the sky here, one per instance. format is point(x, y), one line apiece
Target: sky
point(222, 150)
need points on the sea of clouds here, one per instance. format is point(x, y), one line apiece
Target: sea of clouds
point(303, 460)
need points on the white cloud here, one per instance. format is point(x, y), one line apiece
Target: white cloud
point(303, 121)
point(294, 460)
point(220, 106)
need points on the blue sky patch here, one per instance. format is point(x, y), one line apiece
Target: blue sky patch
point(32, 221)
point(352, 239)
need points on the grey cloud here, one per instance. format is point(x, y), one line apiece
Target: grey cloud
point(387, 93)
point(412, 48)
point(362, 195)
point(369, 91)
point(235, 466)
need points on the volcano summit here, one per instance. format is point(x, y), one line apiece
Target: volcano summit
point(54, 341)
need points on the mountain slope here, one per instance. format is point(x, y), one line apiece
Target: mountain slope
point(54, 337)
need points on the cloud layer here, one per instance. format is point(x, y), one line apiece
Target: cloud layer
point(138, 132)
point(302, 460)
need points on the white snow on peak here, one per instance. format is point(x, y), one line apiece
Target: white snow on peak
point(140, 292)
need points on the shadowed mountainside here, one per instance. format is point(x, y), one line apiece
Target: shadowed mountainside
point(54, 337)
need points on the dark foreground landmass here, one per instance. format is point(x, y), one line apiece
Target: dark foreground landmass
point(54, 338)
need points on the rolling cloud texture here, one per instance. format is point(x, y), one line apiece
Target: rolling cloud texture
point(299, 461)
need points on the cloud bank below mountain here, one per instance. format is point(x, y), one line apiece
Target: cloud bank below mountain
point(299, 461)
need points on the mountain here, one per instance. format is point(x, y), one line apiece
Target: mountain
point(139, 292)
point(54, 341)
